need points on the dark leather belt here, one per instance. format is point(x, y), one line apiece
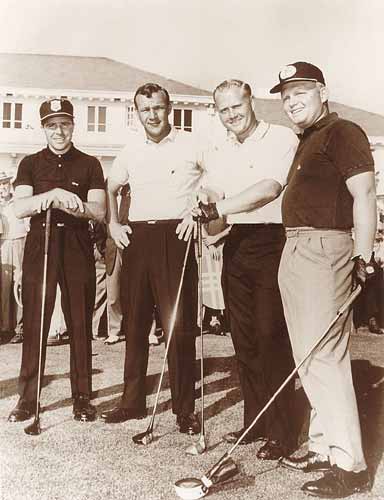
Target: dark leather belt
point(83, 225)
point(155, 221)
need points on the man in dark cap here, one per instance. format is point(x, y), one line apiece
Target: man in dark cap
point(72, 184)
point(331, 189)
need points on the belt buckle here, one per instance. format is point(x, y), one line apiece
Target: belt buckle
point(151, 221)
point(60, 224)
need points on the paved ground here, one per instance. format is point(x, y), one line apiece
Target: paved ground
point(74, 461)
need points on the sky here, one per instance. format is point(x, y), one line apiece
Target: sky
point(202, 42)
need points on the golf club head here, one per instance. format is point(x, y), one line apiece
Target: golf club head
point(34, 428)
point(143, 438)
point(197, 448)
point(227, 470)
point(190, 488)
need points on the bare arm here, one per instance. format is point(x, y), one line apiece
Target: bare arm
point(94, 208)
point(118, 232)
point(27, 204)
point(251, 198)
point(362, 189)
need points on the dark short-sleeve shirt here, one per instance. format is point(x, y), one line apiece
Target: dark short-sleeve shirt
point(73, 171)
point(329, 153)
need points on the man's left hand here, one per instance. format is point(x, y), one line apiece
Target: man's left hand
point(363, 271)
point(206, 212)
point(185, 228)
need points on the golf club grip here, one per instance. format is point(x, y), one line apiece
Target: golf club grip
point(47, 230)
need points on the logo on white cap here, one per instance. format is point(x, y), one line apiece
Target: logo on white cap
point(287, 72)
point(56, 105)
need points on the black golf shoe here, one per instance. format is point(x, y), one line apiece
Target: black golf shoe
point(83, 411)
point(272, 450)
point(118, 415)
point(251, 437)
point(338, 483)
point(24, 410)
point(188, 424)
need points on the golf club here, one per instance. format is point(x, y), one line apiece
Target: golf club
point(200, 487)
point(200, 446)
point(34, 428)
point(146, 437)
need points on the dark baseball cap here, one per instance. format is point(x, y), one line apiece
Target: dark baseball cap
point(298, 71)
point(55, 107)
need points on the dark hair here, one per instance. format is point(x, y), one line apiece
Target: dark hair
point(151, 88)
point(227, 84)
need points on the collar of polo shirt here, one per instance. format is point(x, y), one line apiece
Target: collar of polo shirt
point(259, 132)
point(169, 138)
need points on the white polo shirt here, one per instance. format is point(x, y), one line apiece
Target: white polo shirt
point(232, 167)
point(162, 176)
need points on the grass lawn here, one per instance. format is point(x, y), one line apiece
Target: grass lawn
point(70, 460)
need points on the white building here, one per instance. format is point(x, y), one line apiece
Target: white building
point(101, 91)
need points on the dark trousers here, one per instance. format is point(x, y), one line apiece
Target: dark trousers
point(71, 264)
point(259, 333)
point(150, 276)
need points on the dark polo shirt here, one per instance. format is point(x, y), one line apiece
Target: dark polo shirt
point(73, 171)
point(330, 151)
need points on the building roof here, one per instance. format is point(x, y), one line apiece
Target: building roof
point(372, 123)
point(81, 73)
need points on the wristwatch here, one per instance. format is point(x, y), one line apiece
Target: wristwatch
point(369, 268)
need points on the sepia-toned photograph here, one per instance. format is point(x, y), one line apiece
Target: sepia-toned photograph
point(191, 249)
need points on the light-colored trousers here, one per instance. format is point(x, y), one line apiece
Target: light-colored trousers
point(113, 297)
point(11, 259)
point(315, 279)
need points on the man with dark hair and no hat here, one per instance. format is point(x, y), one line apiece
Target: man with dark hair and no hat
point(71, 183)
point(331, 189)
point(162, 168)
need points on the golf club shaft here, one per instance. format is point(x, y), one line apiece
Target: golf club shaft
point(43, 297)
point(171, 328)
point(201, 309)
point(344, 307)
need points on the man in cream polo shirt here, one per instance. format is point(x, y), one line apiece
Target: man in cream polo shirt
point(251, 166)
point(163, 171)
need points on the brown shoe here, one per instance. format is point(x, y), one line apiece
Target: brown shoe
point(311, 462)
point(83, 411)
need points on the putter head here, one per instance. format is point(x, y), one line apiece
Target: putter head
point(143, 438)
point(197, 448)
point(34, 428)
point(190, 488)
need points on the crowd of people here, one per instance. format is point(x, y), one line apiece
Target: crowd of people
point(278, 209)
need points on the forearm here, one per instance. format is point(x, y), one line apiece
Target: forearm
point(251, 198)
point(93, 210)
point(112, 208)
point(29, 205)
point(364, 221)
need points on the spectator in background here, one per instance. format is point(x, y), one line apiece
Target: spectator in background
point(113, 259)
point(12, 240)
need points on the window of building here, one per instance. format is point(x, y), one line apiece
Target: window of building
point(131, 117)
point(97, 118)
point(12, 115)
point(182, 119)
